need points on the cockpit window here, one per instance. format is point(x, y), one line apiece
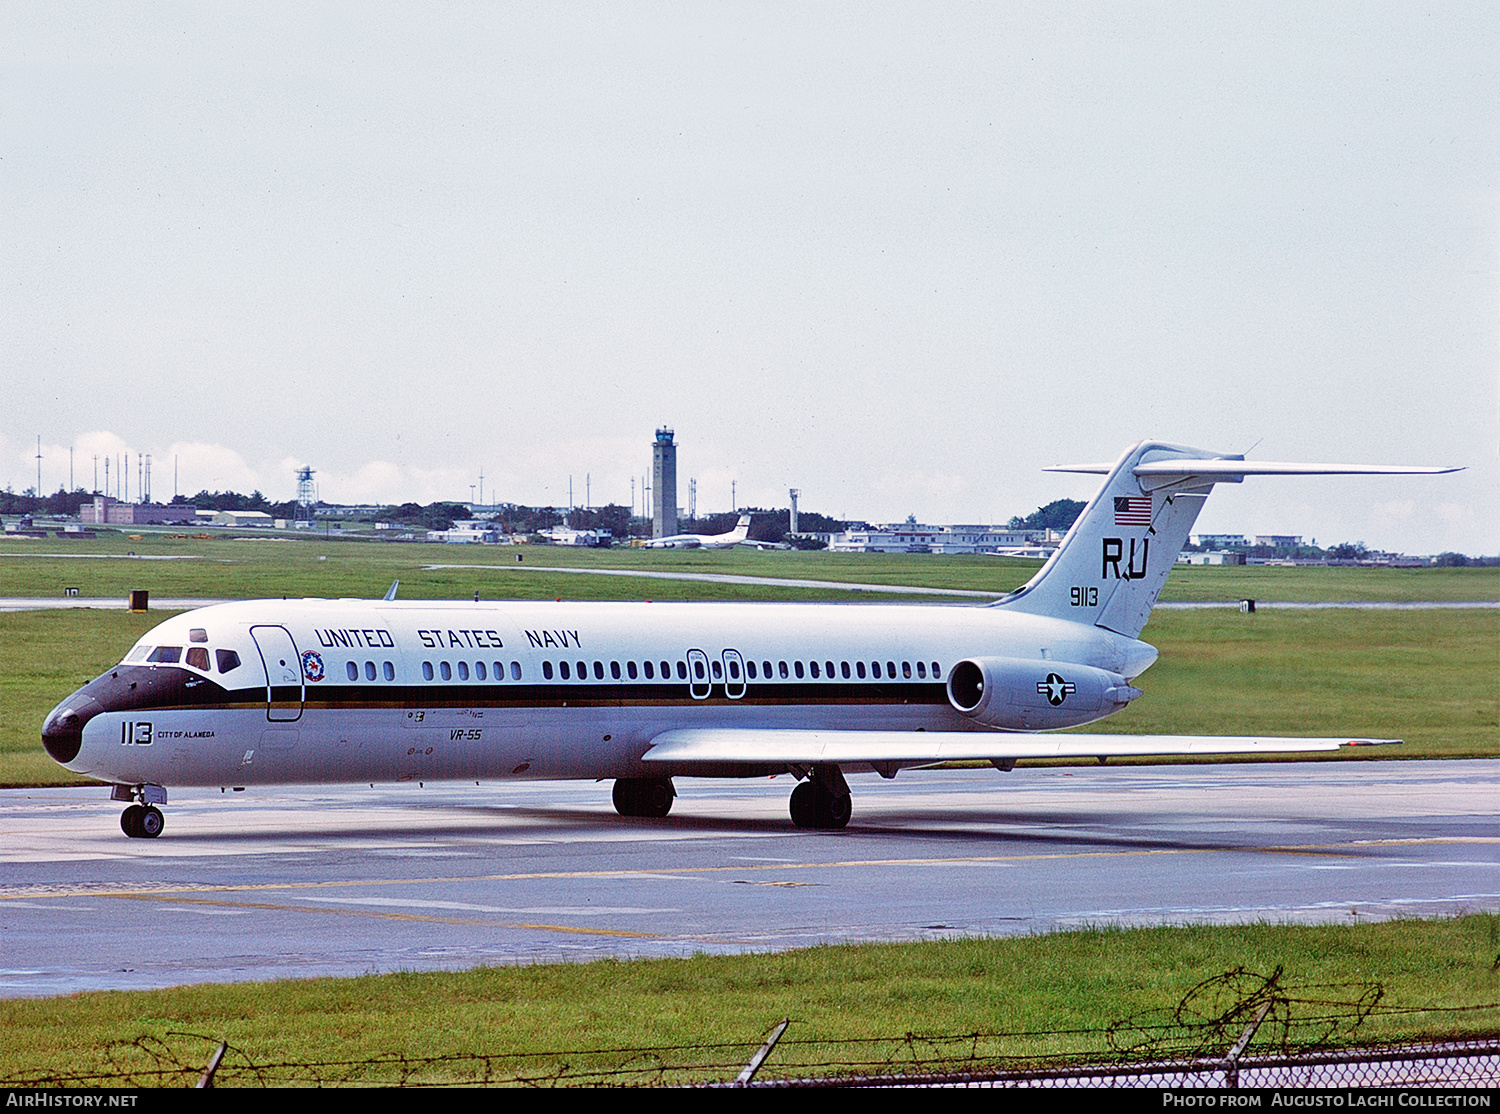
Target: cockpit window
point(197, 634)
point(166, 654)
point(139, 653)
point(227, 659)
point(197, 657)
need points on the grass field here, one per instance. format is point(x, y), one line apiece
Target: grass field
point(1051, 996)
point(270, 567)
point(1428, 677)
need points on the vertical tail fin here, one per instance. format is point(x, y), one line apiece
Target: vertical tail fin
point(1110, 568)
point(1113, 563)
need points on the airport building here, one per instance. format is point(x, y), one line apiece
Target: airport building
point(663, 484)
point(242, 518)
point(1213, 557)
point(913, 537)
point(1220, 541)
point(106, 511)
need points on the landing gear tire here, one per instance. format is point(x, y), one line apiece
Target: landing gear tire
point(142, 821)
point(804, 805)
point(644, 796)
point(150, 823)
point(814, 805)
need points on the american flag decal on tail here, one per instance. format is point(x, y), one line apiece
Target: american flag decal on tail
point(1133, 511)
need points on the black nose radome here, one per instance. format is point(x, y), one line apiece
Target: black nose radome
point(62, 731)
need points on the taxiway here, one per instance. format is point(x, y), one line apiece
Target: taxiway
point(344, 881)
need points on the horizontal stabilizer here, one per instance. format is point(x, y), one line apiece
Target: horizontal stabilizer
point(1226, 469)
point(921, 748)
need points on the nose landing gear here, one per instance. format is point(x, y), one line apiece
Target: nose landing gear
point(142, 819)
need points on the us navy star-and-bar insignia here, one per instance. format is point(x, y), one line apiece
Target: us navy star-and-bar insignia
point(1055, 689)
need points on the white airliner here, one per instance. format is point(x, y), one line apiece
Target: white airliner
point(267, 692)
point(704, 541)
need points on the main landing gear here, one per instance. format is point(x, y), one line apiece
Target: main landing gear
point(142, 819)
point(822, 801)
point(644, 796)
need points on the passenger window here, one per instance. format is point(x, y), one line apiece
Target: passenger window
point(515, 671)
point(829, 666)
point(564, 671)
point(369, 670)
point(351, 671)
point(630, 668)
point(844, 665)
point(650, 671)
point(859, 670)
point(390, 671)
point(682, 670)
point(734, 670)
point(583, 671)
point(875, 670)
point(718, 668)
point(922, 669)
point(765, 665)
point(479, 672)
point(890, 670)
point(445, 670)
point(750, 669)
point(598, 671)
point(813, 666)
point(782, 668)
point(197, 657)
point(499, 671)
point(936, 672)
point(698, 670)
point(227, 660)
point(463, 671)
point(427, 671)
point(906, 670)
point(547, 670)
point(797, 666)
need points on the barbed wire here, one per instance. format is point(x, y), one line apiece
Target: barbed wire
point(1287, 1021)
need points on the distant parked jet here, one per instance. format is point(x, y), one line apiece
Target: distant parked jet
point(704, 541)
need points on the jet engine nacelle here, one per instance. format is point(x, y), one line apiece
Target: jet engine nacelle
point(1016, 694)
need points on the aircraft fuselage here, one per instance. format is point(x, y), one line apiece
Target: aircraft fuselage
point(352, 690)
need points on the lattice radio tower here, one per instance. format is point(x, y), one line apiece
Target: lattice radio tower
point(307, 497)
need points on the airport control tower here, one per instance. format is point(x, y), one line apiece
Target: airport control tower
point(663, 484)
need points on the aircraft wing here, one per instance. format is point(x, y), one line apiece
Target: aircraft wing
point(921, 748)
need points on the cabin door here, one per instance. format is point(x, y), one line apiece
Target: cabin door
point(284, 684)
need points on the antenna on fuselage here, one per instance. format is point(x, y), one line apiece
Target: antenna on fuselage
point(390, 593)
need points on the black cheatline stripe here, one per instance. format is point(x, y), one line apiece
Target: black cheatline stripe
point(375, 694)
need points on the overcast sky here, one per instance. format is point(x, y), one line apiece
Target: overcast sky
point(897, 256)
